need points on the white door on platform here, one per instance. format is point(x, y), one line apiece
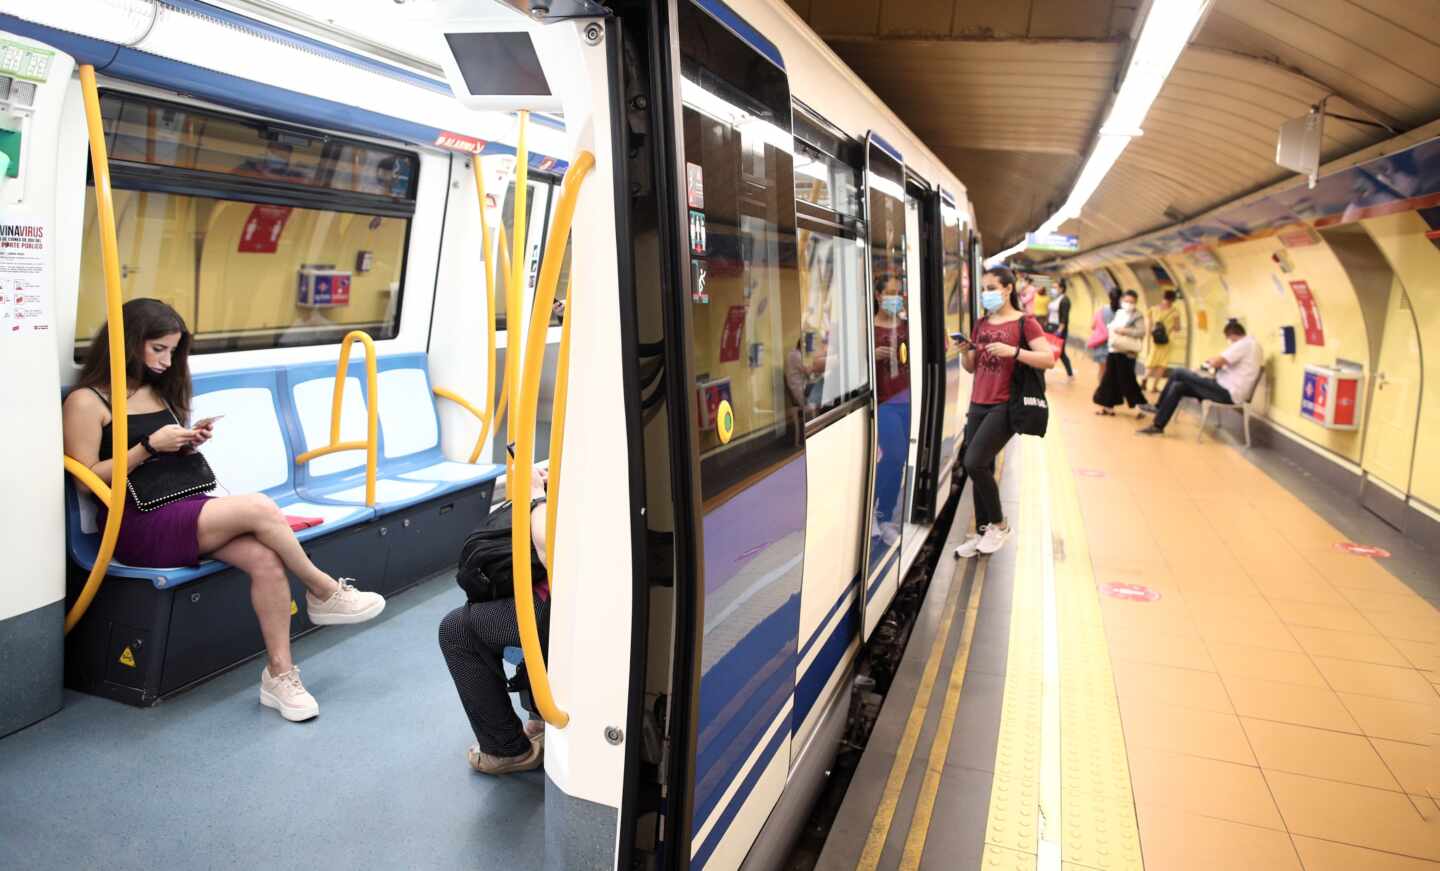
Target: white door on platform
point(1395, 401)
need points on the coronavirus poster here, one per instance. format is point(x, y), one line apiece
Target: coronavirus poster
point(24, 276)
point(1309, 313)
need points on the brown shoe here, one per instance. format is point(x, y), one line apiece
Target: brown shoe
point(487, 764)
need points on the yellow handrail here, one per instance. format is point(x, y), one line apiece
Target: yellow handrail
point(372, 422)
point(557, 425)
point(114, 495)
point(522, 416)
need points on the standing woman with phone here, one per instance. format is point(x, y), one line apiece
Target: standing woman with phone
point(249, 531)
point(1005, 338)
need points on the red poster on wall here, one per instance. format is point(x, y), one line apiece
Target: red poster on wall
point(261, 234)
point(730, 334)
point(1309, 313)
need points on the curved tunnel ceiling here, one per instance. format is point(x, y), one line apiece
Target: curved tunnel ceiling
point(1009, 93)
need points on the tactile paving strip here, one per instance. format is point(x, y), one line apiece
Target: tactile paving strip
point(1011, 832)
point(1099, 828)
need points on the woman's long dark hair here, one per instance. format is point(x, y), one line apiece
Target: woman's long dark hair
point(145, 320)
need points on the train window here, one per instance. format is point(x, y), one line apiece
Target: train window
point(745, 294)
point(889, 283)
point(954, 281)
point(826, 183)
point(537, 210)
point(259, 238)
point(830, 363)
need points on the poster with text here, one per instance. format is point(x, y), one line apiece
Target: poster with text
point(24, 276)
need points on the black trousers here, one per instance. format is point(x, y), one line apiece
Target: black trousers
point(987, 429)
point(1183, 383)
point(473, 638)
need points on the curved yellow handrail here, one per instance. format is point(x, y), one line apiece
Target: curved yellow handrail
point(557, 425)
point(460, 401)
point(527, 401)
point(114, 494)
point(372, 422)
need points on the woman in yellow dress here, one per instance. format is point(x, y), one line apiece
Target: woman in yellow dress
point(1158, 360)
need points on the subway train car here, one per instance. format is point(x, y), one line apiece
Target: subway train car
point(693, 262)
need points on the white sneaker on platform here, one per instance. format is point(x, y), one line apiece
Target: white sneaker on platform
point(993, 539)
point(286, 694)
point(345, 605)
point(969, 547)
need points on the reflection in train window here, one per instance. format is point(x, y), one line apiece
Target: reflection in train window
point(259, 236)
point(830, 362)
point(954, 280)
point(537, 213)
point(745, 300)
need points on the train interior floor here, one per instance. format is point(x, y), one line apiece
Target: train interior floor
point(1170, 666)
point(211, 779)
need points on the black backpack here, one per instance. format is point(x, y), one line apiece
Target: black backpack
point(1029, 410)
point(486, 570)
point(1159, 335)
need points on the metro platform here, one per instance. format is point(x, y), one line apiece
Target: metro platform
point(1253, 697)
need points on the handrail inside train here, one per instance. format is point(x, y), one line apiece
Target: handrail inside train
point(492, 406)
point(372, 421)
point(114, 495)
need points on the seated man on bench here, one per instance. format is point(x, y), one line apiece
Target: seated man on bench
point(1237, 368)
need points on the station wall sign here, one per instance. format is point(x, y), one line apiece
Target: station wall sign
point(1060, 242)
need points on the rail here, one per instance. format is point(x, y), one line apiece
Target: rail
point(112, 495)
point(525, 403)
point(372, 422)
point(491, 408)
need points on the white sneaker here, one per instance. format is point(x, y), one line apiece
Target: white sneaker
point(969, 547)
point(345, 605)
point(286, 694)
point(993, 539)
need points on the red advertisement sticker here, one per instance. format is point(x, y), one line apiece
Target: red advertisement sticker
point(1130, 592)
point(1090, 473)
point(1309, 313)
point(261, 234)
point(730, 334)
point(460, 143)
point(1362, 549)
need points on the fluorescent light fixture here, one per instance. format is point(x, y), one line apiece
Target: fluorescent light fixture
point(1001, 257)
point(1163, 36)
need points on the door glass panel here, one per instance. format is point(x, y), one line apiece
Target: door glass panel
point(890, 289)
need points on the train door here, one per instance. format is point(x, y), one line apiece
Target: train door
point(1389, 453)
point(954, 294)
point(927, 325)
point(738, 320)
point(885, 185)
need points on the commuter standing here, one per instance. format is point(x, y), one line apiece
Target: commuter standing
point(1057, 322)
point(1127, 334)
point(1099, 340)
point(1165, 325)
point(1006, 337)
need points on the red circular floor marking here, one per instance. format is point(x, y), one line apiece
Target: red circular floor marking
point(1362, 549)
point(1090, 473)
point(1130, 592)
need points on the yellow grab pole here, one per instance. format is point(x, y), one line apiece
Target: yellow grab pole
point(514, 343)
point(372, 416)
point(522, 417)
point(557, 424)
point(489, 309)
point(115, 322)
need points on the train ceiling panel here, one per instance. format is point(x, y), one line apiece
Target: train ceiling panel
point(1010, 93)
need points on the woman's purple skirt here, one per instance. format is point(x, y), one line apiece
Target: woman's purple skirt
point(166, 537)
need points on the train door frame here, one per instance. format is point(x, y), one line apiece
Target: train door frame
point(925, 496)
point(876, 575)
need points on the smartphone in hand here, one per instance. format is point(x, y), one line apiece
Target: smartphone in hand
point(204, 422)
point(960, 338)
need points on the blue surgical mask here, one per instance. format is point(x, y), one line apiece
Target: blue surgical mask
point(992, 299)
point(893, 303)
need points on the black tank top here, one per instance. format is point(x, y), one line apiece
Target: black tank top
point(141, 425)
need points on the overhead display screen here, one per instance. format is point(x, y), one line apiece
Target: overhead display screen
point(498, 64)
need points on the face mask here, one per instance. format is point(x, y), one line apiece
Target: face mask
point(892, 303)
point(992, 299)
point(1128, 306)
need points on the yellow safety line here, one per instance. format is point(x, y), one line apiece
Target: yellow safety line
point(940, 747)
point(1058, 684)
point(895, 782)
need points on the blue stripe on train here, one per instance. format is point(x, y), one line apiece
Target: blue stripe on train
point(807, 690)
point(820, 627)
point(879, 580)
point(737, 801)
point(743, 29)
point(740, 697)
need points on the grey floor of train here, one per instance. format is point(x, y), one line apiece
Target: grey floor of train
point(214, 780)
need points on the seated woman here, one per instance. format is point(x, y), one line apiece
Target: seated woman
point(248, 531)
point(473, 638)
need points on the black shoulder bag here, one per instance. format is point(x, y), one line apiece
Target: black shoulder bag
point(167, 478)
point(1029, 410)
point(1158, 334)
point(486, 570)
